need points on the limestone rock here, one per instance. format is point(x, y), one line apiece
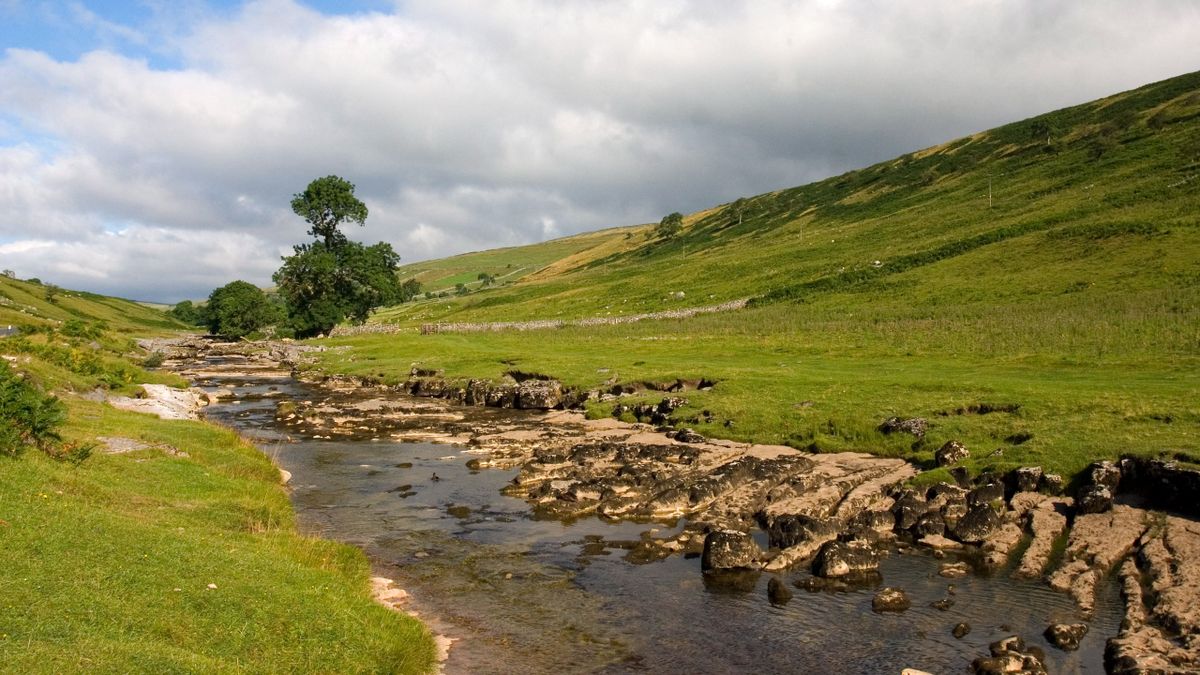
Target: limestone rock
point(1066, 636)
point(912, 425)
point(977, 525)
point(1094, 499)
point(890, 599)
point(952, 452)
point(730, 549)
point(841, 558)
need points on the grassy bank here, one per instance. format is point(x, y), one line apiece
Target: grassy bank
point(1047, 271)
point(181, 556)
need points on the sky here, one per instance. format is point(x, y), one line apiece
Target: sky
point(150, 149)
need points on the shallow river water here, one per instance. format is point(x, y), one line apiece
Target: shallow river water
point(523, 595)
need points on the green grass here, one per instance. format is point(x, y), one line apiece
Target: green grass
point(94, 553)
point(898, 289)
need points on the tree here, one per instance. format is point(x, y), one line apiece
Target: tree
point(737, 210)
point(323, 287)
point(325, 204)
point(238, 309)
point(188, 313)
point(410, 289)
point(486, 279)
point(670, 225)
point(333, 279)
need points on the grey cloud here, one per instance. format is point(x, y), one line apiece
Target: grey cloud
point(467, 125)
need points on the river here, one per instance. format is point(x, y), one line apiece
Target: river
point(526, 595)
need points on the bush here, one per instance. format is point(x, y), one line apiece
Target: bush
point(27, 416)
point(238, 309)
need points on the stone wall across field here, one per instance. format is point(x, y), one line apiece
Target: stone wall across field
point(430, 328)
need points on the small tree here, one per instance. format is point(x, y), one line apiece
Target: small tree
point(486, 279)
point(52, 292)
point(238, 309)
point(10, 274)
point(410, 289)
point(669, 226)
point(461, 289)
point(737, 210)
point(325, 204)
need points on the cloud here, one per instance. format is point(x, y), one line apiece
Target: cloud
point(468, 125)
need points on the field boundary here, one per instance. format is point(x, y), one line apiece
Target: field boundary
point(542, 324)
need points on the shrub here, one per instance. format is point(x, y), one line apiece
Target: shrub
point(27, 416)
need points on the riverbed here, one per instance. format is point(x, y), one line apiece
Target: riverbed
point(530, 595)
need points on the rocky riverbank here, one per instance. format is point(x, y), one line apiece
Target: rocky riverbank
point(836, 514)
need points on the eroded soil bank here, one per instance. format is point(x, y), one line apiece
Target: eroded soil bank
point(760, 521)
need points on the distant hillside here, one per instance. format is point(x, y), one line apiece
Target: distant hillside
point(33, 303)
point(1099, 197)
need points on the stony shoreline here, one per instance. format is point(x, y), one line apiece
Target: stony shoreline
point(834, 512)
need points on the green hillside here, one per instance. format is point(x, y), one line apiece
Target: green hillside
point(180, 555)
point(1051, 265)
point(508, 265)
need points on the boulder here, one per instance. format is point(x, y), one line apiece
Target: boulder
point(1066, 636)
point(476, 393)
point(777, 592)
point(539, 394)
point(961, 630)
point(952, 452)
point(688, 436)
point(792, 529)
point(890, 599)
point(931, 523)
point(730, 550)
point(986, 494)
point(1027, 478)
point(912, 425)
point(1052, 484)
point(1094, 499)
point(501, 396)
point(975, 527)
point(908, 509)
point(1105, 473)
point(845, 558)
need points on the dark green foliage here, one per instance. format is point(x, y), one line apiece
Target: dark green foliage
point(461, 289)
point(323, 286)
point(82, 329)
point(669, 226)
point(335, 279)
point(188, 313)
point(27, 416)
point(52, 292)
point(325, 204)
point(410, 289)
point(486, 279)
point(238, 309)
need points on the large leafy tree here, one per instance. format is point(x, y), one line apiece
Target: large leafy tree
point(238, 309)
point(334, 279)
point(327, 203)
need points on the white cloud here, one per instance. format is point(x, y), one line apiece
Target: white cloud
point(469, 125)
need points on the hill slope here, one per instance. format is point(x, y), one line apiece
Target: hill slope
point(1048, 269)
point(178, 553)
point(1077, 184)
